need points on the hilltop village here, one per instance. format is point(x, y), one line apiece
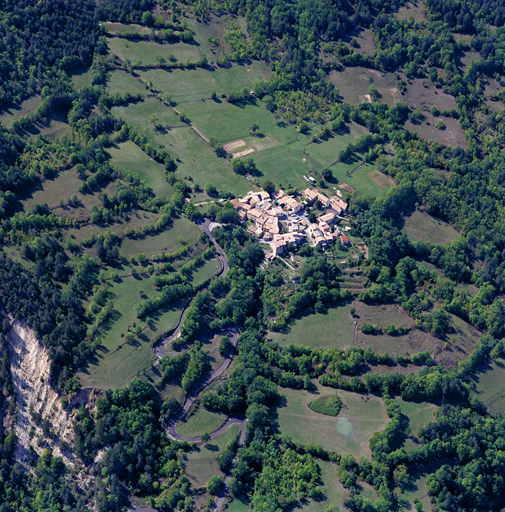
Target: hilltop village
point(282, 221)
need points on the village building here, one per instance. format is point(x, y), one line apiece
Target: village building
point(328, 218)
point(344, 241)
point(336, 202)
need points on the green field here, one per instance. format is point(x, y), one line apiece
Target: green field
point(194, 156)
point(137, 114)
point(193, 84)
point(362, 176)
point(81, 78)
point(419, 414)
point(129, 156)
point(116, 362)
point(168, 241)
point(349, 432)
point(12, 113)
point(206, 271)
point(122, 82)
point(228, 122)
point(202, 461)
point(201, 422)
point(63, 186)
point(332, 489)
point(122, 28)
point(332, 329)
point(490, 386)
point(146, 52)
point(423, 227)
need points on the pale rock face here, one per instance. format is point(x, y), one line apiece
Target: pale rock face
point(30, 366)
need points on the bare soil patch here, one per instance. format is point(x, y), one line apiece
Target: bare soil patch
point(346, 187)
point(382, 180)
point(230, 146)
point(244, 153)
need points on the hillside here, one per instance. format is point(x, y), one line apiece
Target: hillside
point(252, 255)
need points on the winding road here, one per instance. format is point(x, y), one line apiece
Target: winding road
point(206, 225)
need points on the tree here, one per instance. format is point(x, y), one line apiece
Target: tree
point(210, 189)
point(152, 119)
point(268, 186)
point(254, 129)
point(205, 438)
point(244, 166)
point(327, 175)
point(312, 217)
point(227, 216)
point(214, 485)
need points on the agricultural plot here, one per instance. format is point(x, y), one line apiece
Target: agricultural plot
point(419, 226)
point(62, 187)
point(14, 112)
point(137, 114)
point(147, 52)
point(182, 232)
point(193, 155)
point(130, 157)
point(122, 82)
point(489, 384)
point(202, 461)
point(333, 329)
point(116, 362)
point(123, 28)
point(349, 432)
point(362, 176)
point(194, 84)
point(201, 422)
point(213, 28)
point(228, 122)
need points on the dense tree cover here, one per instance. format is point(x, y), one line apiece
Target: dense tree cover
point(39, 37)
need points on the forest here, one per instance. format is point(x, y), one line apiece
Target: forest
point(60, 274)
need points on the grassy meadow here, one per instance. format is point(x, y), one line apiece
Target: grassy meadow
point(194, 84)
point(419, 226)
point(117, 362)
point(320, 330)
point(349, 432)
point(201, 463)
point(130, 157)
point(489, 384)
point(147, 52)
point(201, 422)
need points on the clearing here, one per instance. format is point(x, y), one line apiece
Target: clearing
point(194, 84)
point(453, 135)
point(202, 461)
point(333, 329)
point(130, 157)
point(14, 112)
point(416, 10)
point(200, 422)
point(147, 52)
point(419, 414)
point(420, 226)
point(349, 432)
point(489, 384)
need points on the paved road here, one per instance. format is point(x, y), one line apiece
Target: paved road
point(172, 432)
point(206, 225)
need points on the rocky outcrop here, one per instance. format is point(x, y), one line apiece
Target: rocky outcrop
point(36, 400)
